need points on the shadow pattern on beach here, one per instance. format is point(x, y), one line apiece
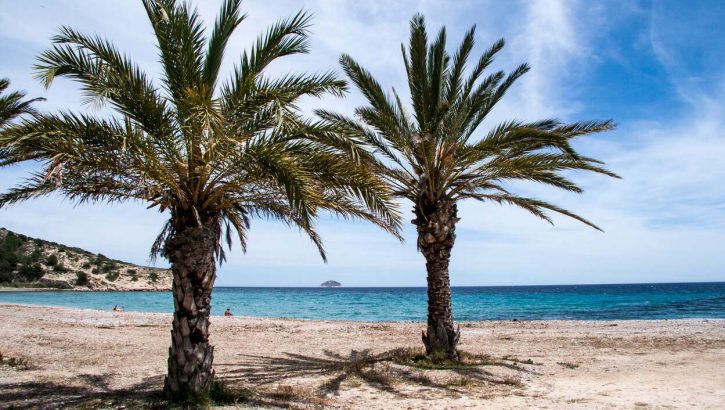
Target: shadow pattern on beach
point(268, 378)
point(378, 371)
point(85, 391)
point(265, 370)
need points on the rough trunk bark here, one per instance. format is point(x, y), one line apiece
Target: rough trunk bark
point(436, 234)
point(191, 253)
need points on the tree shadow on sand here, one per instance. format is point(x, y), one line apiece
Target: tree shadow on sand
point(269, 378)
point(264, 370)
point(84, 391)
point(382, 371)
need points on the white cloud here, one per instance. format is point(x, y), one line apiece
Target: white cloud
point(550, 44)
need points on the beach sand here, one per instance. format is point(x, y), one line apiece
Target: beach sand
point(88, 359)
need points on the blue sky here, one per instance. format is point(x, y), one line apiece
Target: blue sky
point(657, 68)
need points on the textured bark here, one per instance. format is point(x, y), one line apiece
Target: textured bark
point(436, 225)
point(191, 253)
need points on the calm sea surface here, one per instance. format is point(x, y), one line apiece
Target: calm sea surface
point(587, 302)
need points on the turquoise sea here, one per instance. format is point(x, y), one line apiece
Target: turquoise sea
point(584, 302)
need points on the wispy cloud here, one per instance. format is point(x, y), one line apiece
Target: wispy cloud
point(549, 42)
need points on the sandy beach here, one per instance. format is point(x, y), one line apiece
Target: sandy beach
point(59, 357)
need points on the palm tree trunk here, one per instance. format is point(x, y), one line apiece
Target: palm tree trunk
point(436, 236)
point(191, 253)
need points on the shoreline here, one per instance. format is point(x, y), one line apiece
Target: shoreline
point(390, 322)
point(11, 289)
point(3, 289)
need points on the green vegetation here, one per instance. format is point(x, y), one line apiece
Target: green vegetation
point(435, 156)
point(36, 255)
point(112, 276)
point(154, 276)
point(15, 263)
point(103, 264)
point(218, 395)
point(14, 104)
point(82, 279)
point(19, 363)
point(417, 357)
point(516, 360)
point(9, 248)
point(99, 260)
point(568, 365)
point(32, 272)
point(462, 381)
point(51, 260)
point(44, 284)
point(60, 268)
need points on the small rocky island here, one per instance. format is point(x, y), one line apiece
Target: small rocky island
point(331, 284)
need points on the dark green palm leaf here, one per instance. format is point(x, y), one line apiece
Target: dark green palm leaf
point(14, 104)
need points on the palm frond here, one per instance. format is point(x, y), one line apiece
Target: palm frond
point(180, 38)
point(14, 104)
point(229, 18)
point(454, 84)
point(417, 69)
point(284, 38)
point(535, 207)
point(105, 75)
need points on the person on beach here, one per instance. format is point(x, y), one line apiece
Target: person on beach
point(228, 312)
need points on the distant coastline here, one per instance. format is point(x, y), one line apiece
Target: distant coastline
point(33, 263)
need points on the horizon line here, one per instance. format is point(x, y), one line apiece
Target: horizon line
point(473, 286)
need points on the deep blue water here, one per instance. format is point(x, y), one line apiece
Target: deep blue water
point(586, 302)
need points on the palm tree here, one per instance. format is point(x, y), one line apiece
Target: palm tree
point(211, 155)
point(433, 159)
point(14, 104)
